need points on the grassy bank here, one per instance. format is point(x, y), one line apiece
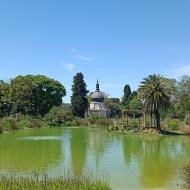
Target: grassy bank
point(44, 182)
point(19, 121)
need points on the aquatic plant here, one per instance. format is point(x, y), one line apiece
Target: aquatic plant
point(186, 174)
point(42, 181)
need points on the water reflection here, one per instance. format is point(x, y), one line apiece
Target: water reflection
point(133, 161)
point(19, 154)
point(79, 139)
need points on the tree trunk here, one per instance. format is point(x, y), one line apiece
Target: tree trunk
point(157, 116)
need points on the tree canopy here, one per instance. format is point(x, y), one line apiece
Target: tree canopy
point(79, 98)
point(35, 95)
point(127, 93)
point(155, 93)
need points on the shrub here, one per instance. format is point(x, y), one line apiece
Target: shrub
point(173, 124)
point(132, 123)
point(58, 116)
point(26, 121)
point(9, 123)
point(95, 117)
point(187, 120)
point(36, 123)
point(84, 122)
point(1, 128)
point(23, 121)
point(74, 122)
point(104, 122)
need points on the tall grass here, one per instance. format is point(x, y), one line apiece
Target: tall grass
point(186, 174)
point(44, 182)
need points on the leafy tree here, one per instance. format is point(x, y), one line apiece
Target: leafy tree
point(5, 104)
point(132, 95)
point(58, 115)
point(155, 92)
point(35, 95)
point(183, 95)
point(127, 93)
point(115, 107)
point(48, 93)
point(115, 100)
point(135, 103)
point(79, 98)
point(22, 94)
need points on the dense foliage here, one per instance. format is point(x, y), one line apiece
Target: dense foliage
point(35, 101)
point(58, 115)
point(35, 95)
point(155, 92)
point(79, 98)
point(127, 93)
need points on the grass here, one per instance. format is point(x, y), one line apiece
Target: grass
point(186, 174)
point(44, 182)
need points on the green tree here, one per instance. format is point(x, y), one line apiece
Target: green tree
point(135, 103)
point(49, 93)
point(58, 115)
point(79, 98)
point(5, 104)
point(132, 95)
point(127, 93)
point(115, 106)
point(21, 93)
point(183, 95)
point(155, 93)
point(35, 95)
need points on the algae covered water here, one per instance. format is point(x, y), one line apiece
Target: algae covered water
point(129, 161)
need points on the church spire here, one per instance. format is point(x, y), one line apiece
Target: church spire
point(97, 86)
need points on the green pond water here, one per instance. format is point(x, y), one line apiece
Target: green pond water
point(129, 161)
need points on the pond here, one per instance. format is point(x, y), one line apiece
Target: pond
point(130, 161)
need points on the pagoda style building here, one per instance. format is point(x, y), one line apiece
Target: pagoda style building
point(97, 102)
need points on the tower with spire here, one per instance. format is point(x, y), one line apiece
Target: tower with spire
point(97, 105)
point(97, 86)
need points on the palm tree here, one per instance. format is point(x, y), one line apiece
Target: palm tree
point(155, 92)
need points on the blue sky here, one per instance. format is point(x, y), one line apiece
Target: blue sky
point(118, 41)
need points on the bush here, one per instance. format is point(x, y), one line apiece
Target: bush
point(132, 123)
point(36, 123)
point(84, 122)
point(74, 122)
point(58, 116)
point(26, 121)
point(187, 120)
point(23, 121)
point(104, 122)
point(95, 117)
point(1, 128)
point(173, 124)
point(9, 123)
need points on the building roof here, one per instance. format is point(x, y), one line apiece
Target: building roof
point(97, 96)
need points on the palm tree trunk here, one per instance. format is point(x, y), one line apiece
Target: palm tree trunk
point(157, 116)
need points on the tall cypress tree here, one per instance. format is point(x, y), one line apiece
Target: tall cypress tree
point(79, 99)
point(127, 93)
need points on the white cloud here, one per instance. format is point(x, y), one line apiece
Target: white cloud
point(69, 66)
point(84, 58)
point(73, 50)
point(78, 55)
point(179, 71)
